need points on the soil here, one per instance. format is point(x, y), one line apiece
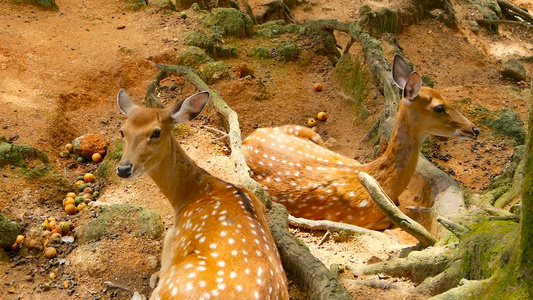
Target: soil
point(59, 75)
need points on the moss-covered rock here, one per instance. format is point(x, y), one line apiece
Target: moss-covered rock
point(199, 39)
point(135, 5)
point(225, 51)
point(260, 51)
point(192, 57)
point(513, 69)
point(288, 51)
point(270, 29)
point(119, 219)
point(508, 123)
point(163, 4)
point(231, 21)
point(8, 233)
point(45, 4)
point(17, 155)
point(214, 71)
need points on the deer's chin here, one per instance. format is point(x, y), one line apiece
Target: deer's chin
point(464, 136)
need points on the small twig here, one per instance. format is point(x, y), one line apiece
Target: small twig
point(420, 209)
point(324, 238)
point(333, 227)
point(393, 212)
point(214, 130)
point(377, 284)
point(506, 22)
point(456, 229)
point(118, 287)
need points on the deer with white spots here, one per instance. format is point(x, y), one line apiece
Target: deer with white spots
point(291, 163)
point(220, 246)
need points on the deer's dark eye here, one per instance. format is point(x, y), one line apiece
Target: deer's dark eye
point(156, 134)
point(122, 134)
point(439, 109)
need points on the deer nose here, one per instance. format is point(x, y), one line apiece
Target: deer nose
point(475, 130)
point(125, 170)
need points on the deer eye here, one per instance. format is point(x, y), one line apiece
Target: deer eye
point(122, 134)
point(439, 109)
point(156, 134)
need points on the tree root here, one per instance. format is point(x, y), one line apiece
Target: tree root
point(393, 212)
point(456, 229)
point(334, 227)
point(309, 274)
point(418, 265)
point(488, 23)
point(513, 10)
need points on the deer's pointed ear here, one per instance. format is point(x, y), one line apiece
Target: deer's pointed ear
point(188, 109)
point(412, 87)
point(400, 71)
point(125, 103)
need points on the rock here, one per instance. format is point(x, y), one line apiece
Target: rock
point(44, 4)
point(260, 51)
point(214, 71)
point(225, 51)
point(4, 258)
point(243, 70)
point(508, 123)
point(135, 5)
point(199, 39)
point(231, 21)
point(18, 155)
point(288, 51)
point(8, 233)
point(115, 220)
point(192, 57)
point(89, 144)
point(513, 69)
point(164, 4)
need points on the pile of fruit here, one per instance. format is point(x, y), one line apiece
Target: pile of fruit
point(53, 231)
point(73, 203)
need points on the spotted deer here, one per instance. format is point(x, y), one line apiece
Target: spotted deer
point(291, 163)
point(220, 246)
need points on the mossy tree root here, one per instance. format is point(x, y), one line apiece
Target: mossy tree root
point(393, 212)
point(309, 274)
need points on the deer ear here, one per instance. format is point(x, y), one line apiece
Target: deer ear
point(125, 103)
point(400, 71)
point(412, 87)
point(188, 109)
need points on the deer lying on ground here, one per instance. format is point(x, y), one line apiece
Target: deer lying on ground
point(220, 246)
point(291, 163)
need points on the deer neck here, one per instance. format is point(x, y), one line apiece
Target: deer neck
point(394, 169)
point(177, 175)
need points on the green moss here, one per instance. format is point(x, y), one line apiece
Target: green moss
point(288, 51)
point(19, 155)
point(214, 71)
point(385, 21)
point(119, 219)
point(8, 232)
point(507, 122)
point(231, 21)
point(192, 57)
point(428, 81)
point(226, 51)
point(199, 39)
point(351, 78)
point(44, 4)
point(113, 155)
point(135, 5)
point(260, 51)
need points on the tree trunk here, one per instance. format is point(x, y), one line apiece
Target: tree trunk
point(526, 231)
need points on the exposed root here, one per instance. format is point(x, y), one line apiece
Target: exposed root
point(334, 227)
point(456, 229)
point(418, 265)
point(393, 212)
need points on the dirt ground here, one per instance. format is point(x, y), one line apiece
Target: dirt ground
point(60, 72)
